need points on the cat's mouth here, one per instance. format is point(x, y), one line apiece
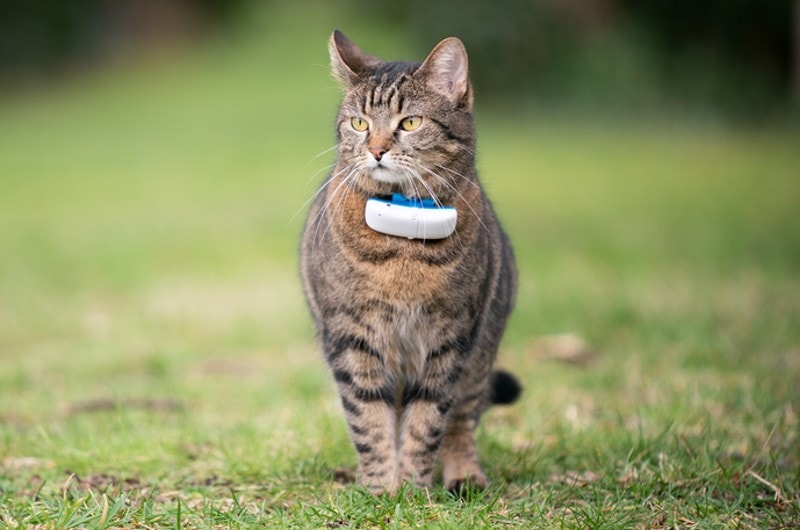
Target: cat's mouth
point(388, 178)
point(384, 170)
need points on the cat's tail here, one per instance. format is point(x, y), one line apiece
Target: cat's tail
point(505, 388)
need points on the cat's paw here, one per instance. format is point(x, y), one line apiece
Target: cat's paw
point(380, 486)
point(464, 485)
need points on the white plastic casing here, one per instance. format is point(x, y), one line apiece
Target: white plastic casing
point(411, 222)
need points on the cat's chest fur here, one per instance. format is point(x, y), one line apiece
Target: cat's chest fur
point(407, 294)
point(410, 272)
point(413, 331)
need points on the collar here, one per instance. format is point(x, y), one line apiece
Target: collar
point(410, 217)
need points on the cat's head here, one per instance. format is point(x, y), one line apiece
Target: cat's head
point(403, 126)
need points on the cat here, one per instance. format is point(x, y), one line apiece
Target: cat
point(409, 327)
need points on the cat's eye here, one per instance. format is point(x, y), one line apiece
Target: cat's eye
point(411, 123)
point(359, 124)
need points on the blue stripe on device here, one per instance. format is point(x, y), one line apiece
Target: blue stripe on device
point(413, 202)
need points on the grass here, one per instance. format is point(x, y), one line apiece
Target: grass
point(158, 363)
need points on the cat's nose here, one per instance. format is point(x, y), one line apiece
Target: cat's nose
point(377, 152)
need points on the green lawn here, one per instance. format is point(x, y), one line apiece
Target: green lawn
point(158, 367)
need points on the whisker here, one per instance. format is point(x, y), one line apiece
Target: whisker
point(458, 193)
point(439, 202)
point(317, 172)
point(317, 192)
point(323, 152)
point(350, 169)
point(425, 185)
point(321, 211)
point(333, 196)
point(418, 178)
point(457, 174)
point(467, 148)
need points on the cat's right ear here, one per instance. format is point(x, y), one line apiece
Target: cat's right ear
point(348, 62)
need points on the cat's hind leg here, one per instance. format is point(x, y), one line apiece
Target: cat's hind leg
point(458, 453)
point(421, 432)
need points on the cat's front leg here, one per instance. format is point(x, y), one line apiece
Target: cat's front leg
point(426, 407)
point(421, 432)
point(368, 399)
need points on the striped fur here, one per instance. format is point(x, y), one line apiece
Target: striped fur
point(409, 328)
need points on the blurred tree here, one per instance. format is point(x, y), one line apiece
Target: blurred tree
point(36, 31)
point(39, 34)
point(796, 48)
point(737, 53)
point(738, 56)
point(734, 55)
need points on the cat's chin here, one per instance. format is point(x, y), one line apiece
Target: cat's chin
point(387, 176)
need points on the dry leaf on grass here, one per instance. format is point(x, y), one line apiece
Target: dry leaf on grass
point(20, 463)
point(574, 478)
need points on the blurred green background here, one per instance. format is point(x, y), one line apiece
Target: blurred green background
point(144, 144)
point(156, 159)
point(738, 58)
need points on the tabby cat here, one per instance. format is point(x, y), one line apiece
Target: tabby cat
point(409, 327)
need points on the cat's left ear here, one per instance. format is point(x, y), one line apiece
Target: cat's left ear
point(446, 71)
point(348, 62)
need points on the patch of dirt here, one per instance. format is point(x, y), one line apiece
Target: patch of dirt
point(105, 405)
point(568, 348)
point(104, 482)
